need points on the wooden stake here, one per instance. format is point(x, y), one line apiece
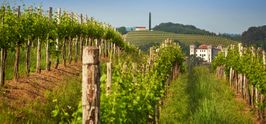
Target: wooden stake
point(91, 86)
point(76, 49)
point(81, 39)
point(38, 64)
point(57, 39)
point(48, 62)
point(16, 66)
point(109, 78)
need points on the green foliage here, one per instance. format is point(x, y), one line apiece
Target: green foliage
point(134, 93)
point(255, 36)
point(122, 30)
point(195, 98)
point(33, 24)
point(235, 37)
point(64, 102)
point(249, 64)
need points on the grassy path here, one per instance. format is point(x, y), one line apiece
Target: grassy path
point(200, 98)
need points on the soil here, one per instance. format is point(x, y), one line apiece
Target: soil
point(247, 108)
point(30, 89)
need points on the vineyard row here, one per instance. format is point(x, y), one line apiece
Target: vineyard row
point(244, 67)
point(31, 28)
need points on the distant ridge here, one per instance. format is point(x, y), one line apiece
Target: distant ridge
point(181, 29)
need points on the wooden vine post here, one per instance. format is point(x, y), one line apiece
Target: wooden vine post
point(39, 44)
point(240, 76)
point(28, 51)
point(57, 39)
point(231, 71)
point(48, 62)
point(91, 86)
point(225, 55)
point(253, 89)
point(77, 43)
point(81, 39)
point(109, 78)
point(3, 57)
point(16, 66)
point(260, 96)
point(2, 66)
point(71, 39)
point(76, 49)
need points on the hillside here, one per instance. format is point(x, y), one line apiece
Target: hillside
point(180, 29)
point(255, 36)
point(145, 39)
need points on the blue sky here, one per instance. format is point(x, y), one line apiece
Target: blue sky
point(224, 16)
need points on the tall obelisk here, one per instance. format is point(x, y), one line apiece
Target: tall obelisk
point(149, 21)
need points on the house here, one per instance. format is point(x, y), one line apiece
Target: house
point(206, 52)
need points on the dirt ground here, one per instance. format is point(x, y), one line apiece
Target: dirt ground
point(29, 89)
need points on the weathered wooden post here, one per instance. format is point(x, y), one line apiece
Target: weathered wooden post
point(114, 49)
point(16, 66)
point(71, 39)
point(105, 48)
point(48, 62)
point(253, 89)
point(231, 72)
point(39, 45)
point(76, 48)
point(100, 46)
point(109, 78)
point(240, 76)
point(225, 55)
point(57, 39)
point(96, 42)
point(262, 96)
point(81, 38)
point(91, 86)
point(244, 84)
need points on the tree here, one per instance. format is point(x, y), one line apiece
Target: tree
point(255, 36)
point(122, 30)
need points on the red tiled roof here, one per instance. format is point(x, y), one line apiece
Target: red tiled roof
point(203, 46)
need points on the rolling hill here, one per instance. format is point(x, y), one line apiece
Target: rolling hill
point(146, 39)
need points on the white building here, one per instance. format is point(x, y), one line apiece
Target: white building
point(140, 28)
point(203, 51)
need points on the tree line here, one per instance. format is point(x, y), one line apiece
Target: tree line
point(255, 36)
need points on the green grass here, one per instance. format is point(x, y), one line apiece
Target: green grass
point(66, 97)
point(143, 38)
point(199, 98)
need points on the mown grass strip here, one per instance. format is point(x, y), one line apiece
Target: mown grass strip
point(200, 98)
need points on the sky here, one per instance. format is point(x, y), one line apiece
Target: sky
point(219, 16)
